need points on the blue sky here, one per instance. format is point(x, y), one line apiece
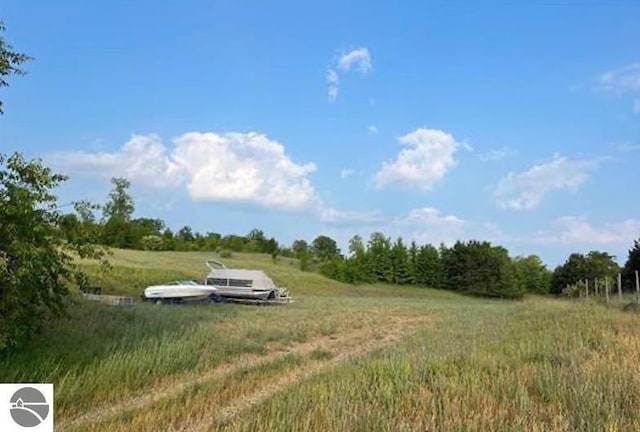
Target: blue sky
point(513, 122)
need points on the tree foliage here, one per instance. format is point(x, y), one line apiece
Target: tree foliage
point(325, 248)
point(532, 274)
point(429, 270)
point(120, 204)
point(10, 62)
point(478, 268)
point(631, 266)
point(579, 267)
point(36, 263)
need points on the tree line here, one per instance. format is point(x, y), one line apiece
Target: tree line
point(473, 267)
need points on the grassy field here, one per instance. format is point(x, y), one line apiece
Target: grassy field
point(341, 357)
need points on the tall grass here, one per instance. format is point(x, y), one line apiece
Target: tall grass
point(541, 366)
point(461, 364)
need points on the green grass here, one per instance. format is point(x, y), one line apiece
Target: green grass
point(372, 357)
point(540, 365)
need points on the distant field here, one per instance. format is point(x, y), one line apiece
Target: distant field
point(366, 358)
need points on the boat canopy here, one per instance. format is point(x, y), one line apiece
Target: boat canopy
point(256, 279)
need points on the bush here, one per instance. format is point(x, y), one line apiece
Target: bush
point(225, 253)
point(153, 243)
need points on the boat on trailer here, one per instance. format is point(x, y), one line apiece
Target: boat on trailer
point(244, 285)
point(181, 291)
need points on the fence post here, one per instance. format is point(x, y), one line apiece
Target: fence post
point(586, 287)
point(619, 287)
point(637, 287)
point(606, 287)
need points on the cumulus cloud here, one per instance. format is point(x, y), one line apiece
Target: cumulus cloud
point(625, 79)
point(232, 167)
point(427, 157)
point(372, 129)
point(525, 190)
point(497, 154)
point(357, 59)
point(143, 158)
point(243, 167)
point(578, 230)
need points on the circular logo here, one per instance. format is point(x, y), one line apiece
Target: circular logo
point(29, 408)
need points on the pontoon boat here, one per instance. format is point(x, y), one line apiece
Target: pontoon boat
point(243, 283)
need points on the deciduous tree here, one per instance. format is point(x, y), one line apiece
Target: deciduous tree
point(36, 263)
point(325, 248)
point(10, 62)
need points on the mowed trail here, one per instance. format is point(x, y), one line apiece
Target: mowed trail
point(349, 344)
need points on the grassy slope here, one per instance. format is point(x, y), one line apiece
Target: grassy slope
point(449, 363)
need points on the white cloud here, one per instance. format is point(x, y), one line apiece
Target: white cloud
point(427, 225)
point(143, 158)
point(232, 167)
point(429, 216)
point(497, 154)
point(346, 172)
point(357, 59)
point(428, 155)
point(332, 77)
point(577, 230)
point(526, 189)
point(372, 129)
point(333, 216)
point(625, 79)
point(243, 167)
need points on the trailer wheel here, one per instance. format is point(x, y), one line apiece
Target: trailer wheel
point(159, 301)
point(216, 298)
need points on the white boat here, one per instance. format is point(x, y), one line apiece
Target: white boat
point(243, 283)
point(181, 291)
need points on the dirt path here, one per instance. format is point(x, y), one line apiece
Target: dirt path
point(229, 411)
point(350, 344)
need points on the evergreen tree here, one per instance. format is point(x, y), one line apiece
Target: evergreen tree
point(413, 262)
point(429, 270)
point(399, 263)
point(357, 261)
point(631, 266)
point(479, 268)
point(378, 258)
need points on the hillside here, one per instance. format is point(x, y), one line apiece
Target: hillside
point(339, 358)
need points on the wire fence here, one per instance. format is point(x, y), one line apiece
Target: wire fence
point(609, 289)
